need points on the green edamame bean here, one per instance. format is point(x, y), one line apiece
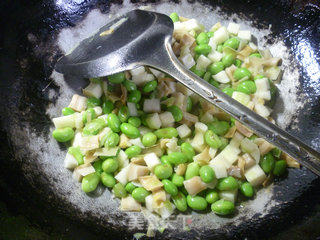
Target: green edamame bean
point(140, 194)
point(134, 121)
point(117, 78)
point(108, 180)
point(212, 196)
point(63, 134)
point(273, 93)
point(130, 187)
point(174, 17)
point(76, 152)
point(67, 111)
point(212, 139)
point(197, 202)
point(119, 191)
point(88, 115)
point(214, 83)
point(202, 38)
point(192, 170)
point(130, 130)
point(97, 165)
point(165, 159)
point(227, 183)
point(207, 76)
point(177, 180)
point(238, 63)
point(176, 112)
point(110, 165)
point(133, 151)
point(149, 139)
point(184, 191)
point(112, 140)
point(232, 43)
point(219, 127)
point(94, 127)
point(180, 202)
point(150, 86)
point(123, 114)
point(257, 55)
point(169, 187)
point(228, 60)
point(90, 182)
point(224, 143)
point(216, 67)
point(107, 107)
point(276, 152)
point(129, 85)
point(229, 91)
point(113, 122)
point(198, 72)
point(246, 189)
point(207, 174)
point(95, 80)
point(188, 150)
point(210, 34)
point(267, 163)
point(189, 104)
point(223, 207)
point(280, 168)
point(177, 158)
point(163, 171)
point(220, 48)
point(93, 102)
point(247, 87)
point(134, 96)
point(240, 73)
point(204, 49)
point(169, 132)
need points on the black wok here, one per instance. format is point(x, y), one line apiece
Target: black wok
point(33, 181)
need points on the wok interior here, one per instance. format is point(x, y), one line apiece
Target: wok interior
point(39, 158)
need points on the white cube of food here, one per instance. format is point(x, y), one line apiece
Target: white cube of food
point(157, 73)
point(153, 121)
point(198, 142)
point(122, 176)
point(262, 110)
point(149, 202)
point(137, 142)
point(152, 105)
point(245, 35)
point(193, 24)
point(184, 131)
point(203, 62)
point(137, 71)
point(64, 121)
point(212, 44)
point(200, 127)
point(255, 175)
point(166, 119)
point(78, 120)
point(215, 56)
point(220, 35)
point(253, 46)
point(151, 160)
point(233, 28)
point(207, 118)
point(132, 109)
point(149, 77)
point(97, 110)
point(194, 185)
point(122, 159)
point(76, 140)
point(221, 77)
point(78, 103)
point(241, 97)
point(70, 162)
point(188, 61)
point(219, 168)
point(230, 195)
point(93, 90)
point(130, 204)
point(140, 79)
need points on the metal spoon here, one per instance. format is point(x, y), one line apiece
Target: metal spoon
point(144, 38)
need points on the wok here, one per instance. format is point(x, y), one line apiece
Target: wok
point(33, 181)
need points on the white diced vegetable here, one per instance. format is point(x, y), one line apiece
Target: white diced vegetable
point(93, 90)
point(253, 46)
point(202, 158)
point(220, 35)
point(107, 152)
point(188, 61)
point(137, 71)
point(76, 140)
point(135, 171)
point(149, 203)
point(200, 127)
point(198, 142)
point(206, 118)
point(143, 130)
point(245, 35)
point(78, 120)
point(151, 183)
point(233, 28)
point(157, 73)
point(152, 160)
point(89, 143)
point(132, 109)
point(230, 195)
point(228, 155)
point(221, 77)
point(137, 142)
point(184, 131)
point(151, 105)
point(122, 176)
point(255, 175)
point(212, 152)
point(250, 147)
point(194, 185)
point(193, 24)
point(166, 119)
point(78, 103)
point(153, 121)
point(203, 62)
point(97, 110)
point(263, 89)
point(166, 209)
point(64, 121)
point(219, 168)
point(262, 110)
point(85, 169)
point(122, 159)
point(215, 56)
point(70, 162)
point(212, 44)
point(129, 204)
point(241, 97)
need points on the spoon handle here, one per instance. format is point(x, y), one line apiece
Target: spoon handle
point(304, 154)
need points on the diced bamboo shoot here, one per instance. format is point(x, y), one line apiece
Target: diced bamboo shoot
point(78, 103)
point(93, 90)
point(130, 204)
point(255, 175)
point(194, 185)
point(152, 160)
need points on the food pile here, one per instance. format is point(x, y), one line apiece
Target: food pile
point(158, 145)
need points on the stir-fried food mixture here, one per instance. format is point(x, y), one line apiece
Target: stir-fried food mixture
point(158, 145)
